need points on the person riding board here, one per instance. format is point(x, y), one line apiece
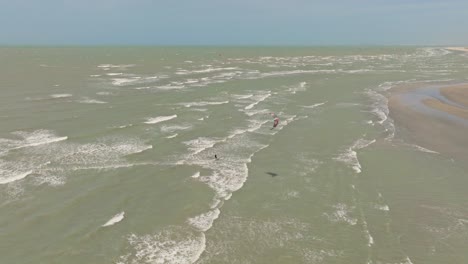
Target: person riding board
point(275, 120)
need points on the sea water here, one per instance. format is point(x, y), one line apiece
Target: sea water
point(107, 156)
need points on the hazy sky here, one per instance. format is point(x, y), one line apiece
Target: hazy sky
point(234, 22)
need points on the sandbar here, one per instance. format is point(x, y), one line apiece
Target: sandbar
point(432, 116)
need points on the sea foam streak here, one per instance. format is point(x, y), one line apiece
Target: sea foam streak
point(29, 139)
point(87, 100)
point(124, 81)
point(258, 99)
point(204, 221)
point(314, 105)
point(173, 128)
point(50, 163)
point(203, 103)
point(172, 136)
point(342, 214)
point(115, 219)
point(172, 245)
point(350, 156)
point(298, 88)
point(109, 66)
point(6, 177)
point(57, 96)
point(155, 120)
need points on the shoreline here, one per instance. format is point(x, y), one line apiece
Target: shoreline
point(435, 116)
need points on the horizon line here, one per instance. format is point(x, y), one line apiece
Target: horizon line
point(3, 45)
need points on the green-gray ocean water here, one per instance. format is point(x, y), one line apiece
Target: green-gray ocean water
point(107, 156)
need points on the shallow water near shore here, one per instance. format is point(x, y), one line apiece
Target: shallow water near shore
point(107, 156)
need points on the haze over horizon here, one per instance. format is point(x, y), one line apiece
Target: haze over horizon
point(210, 22)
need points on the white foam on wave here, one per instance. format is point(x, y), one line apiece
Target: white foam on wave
point(105, 153)
point(320, 256)
point(87, 100)
point(175, 244)
point(298, 88)
point(49, 179)
point(290, 194)
point(172, 136)
point(227, 180)
point(50, 163)
point(258, 99)
point(230, 174)
point(172, 245)
point(379, 105)
point(241, 96)
point(105, 66)
point(131, 79)
point(171, 86)
point(294, 72)
point(357, 71)
point(124, 81)
point(255, 125)
point(202, 143)
point(155, 120)
point(342, 214)
point(114, 73)
point(203, 103)
point(191, 81)
point(370, 239)
point(29, 139)
point(103, 93)
point(407, 261)
point(125, 126)
point(204, 222)
point(115, 219)
point(314, 105)
point(382, 207)
point(207, 70)
point(419, 148)
point(15, 170)
point(349, 156)
point(346, 105)
point(58, 96)
point(256, 112)
point(432, 52)
point(7, 176)
point(172, 128)
point(198, 109)
point(269, 233)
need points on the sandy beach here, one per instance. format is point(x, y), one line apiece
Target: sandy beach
point(464, 49)
point(435, 118)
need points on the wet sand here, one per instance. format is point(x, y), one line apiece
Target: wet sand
point(434, 117)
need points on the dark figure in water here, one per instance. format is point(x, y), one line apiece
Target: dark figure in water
point(216, 156)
